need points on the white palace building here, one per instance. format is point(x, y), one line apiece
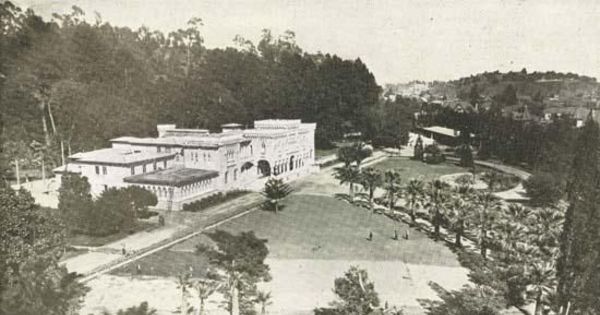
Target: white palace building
point(184, 165)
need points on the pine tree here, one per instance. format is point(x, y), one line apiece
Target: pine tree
point(580, 244)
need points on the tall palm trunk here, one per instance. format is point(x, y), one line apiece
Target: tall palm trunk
point(235, 304)
point(436, 228)
point(436, 223)
point(201, 307)
point(413, 214)
point(459, 233)
point(483, 242)
point(45, 129)
point(52, 124)
point(351, 191)
point(184, 306)
point(538, 303)
point(371, 205)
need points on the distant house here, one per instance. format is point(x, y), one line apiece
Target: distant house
point(578, 114)
point(523, 114)
point(442, 135)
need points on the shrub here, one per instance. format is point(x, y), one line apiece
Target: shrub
point(433, 155)
point(145, 214)
point(213, 200)
point(465, 154)
point(506, 182)
point(385, 141)
point(418, 150)
point(543, 188)
point(115, 210)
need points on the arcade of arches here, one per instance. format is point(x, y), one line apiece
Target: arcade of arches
point(280, 166)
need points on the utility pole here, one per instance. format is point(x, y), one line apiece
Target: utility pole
point(62, 152)
point(43, 171)
point(17, 173)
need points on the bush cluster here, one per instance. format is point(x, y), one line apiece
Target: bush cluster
point(114, 211)
point(213, 200)
point(544, 188)
point(433, 154)
point(504, 181)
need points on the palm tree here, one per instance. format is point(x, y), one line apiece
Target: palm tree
point(183, 284)
point(370, 179)
point(235, 280)
point(510, 239)
point(542, 279)
point(460, 208)
point(346, 154)
point(487, 207)
point(491, 178)
point(519, 213)
point(275, 190)
point(205, 289)
point(438, 198)
point(142, 309)
point(264, 299)
point(546, 229)
point(361, 152)
point(414, 193)
point(391, 184)
point(511, 227)
point(356, 152)
point(348, 174)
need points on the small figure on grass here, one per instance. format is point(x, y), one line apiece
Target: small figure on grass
point(370, 238)
point(395, 235)
point(406, 234)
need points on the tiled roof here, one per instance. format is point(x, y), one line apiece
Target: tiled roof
point(172, 177)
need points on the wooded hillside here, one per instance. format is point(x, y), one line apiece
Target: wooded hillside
point(80, 83)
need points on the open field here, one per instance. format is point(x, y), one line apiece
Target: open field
point(312, 241)
point(315, 227)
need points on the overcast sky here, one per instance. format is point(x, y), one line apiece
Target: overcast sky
point(398, 40)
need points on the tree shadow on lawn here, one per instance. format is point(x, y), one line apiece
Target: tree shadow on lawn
point(268, 206)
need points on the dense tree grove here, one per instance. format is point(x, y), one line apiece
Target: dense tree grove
point(115, 210)
point(541, 148)
point(78, 83)
point(578, 273)
point(31, 242)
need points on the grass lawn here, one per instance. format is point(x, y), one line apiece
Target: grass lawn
point(325, 152)
point(88, 240)
point(312, 228)
point(415, 169)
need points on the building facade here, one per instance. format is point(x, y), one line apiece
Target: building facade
point(184, 165)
